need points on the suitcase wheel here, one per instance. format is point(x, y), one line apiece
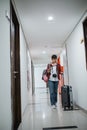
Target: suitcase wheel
point(64, 108)
point(71, 107)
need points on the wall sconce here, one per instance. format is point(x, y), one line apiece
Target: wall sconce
point(82, 40)
point(7, 15)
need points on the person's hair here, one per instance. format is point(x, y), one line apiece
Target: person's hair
point(54, 57)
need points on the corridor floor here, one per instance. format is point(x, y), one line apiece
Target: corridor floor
point(39, 114)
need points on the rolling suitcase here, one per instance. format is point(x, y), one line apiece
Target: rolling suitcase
point(67, 97)
point(70, 98)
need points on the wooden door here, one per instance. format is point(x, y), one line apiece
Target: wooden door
point(85, 37)
point(15, 71)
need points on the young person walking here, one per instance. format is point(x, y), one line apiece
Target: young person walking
point(53, 71)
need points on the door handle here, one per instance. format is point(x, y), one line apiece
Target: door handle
point(15, 72)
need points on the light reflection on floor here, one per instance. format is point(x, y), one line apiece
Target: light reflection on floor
point(39, 114)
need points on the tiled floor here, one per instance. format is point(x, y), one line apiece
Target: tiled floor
point(40, 115)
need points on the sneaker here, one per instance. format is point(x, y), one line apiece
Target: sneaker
point(53, 107)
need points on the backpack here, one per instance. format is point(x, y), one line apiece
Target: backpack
point(44, 76)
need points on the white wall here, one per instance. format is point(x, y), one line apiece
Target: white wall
point(77, 65)
point(33, 78)
point(29, 83)
point(38, 70)
point(63, 61)
point(23, 65)
point(5, 80)
point(26, 78)
point(29, 72)
point(5, 69)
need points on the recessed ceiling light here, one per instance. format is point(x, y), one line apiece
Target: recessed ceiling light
point(44, 52)
point(50, 18)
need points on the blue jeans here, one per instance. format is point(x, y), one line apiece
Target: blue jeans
point(53, 88)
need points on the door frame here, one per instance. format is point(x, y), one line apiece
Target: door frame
point(15, 106)
point(85, 38)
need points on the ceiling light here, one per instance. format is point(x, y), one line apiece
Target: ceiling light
point(50, 18)
point(44, 52)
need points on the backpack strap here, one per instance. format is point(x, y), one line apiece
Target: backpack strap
point(59, 70)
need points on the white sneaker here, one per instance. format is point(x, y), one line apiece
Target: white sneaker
point(53, 107)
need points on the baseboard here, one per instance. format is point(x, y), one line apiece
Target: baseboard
point(85, 111)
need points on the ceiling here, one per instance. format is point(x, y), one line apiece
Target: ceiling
point(49, 36)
